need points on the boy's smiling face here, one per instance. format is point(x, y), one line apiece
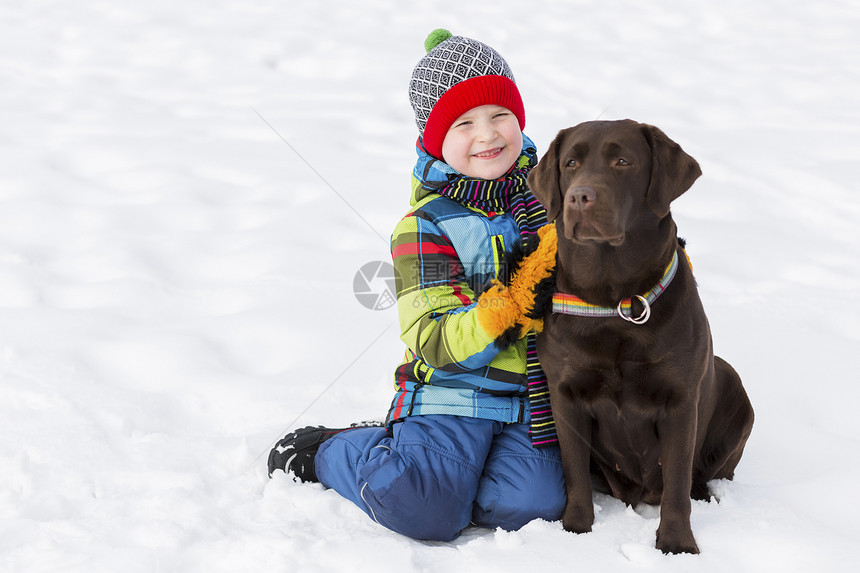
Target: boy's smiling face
point(484, 142)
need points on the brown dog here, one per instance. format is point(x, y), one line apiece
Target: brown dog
point(644, 399)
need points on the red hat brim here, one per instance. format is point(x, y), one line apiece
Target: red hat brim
point(468, 94)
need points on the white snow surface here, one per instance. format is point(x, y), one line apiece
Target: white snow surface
point(187, 190)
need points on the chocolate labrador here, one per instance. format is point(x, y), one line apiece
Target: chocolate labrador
point(635, 387)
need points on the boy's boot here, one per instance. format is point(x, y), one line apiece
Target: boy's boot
point(297, 450)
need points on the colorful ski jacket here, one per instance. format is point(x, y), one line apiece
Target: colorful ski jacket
point(445, 255)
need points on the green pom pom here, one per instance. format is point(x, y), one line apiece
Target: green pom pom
point(436, 37)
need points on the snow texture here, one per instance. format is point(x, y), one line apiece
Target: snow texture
point(187, 190)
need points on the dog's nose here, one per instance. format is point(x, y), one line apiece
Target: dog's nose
point(582, 197)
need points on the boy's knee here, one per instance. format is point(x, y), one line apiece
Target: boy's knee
point(527, 489)
point(419, 506)
point(511, 512)
point(421, 482)
point(424, 486)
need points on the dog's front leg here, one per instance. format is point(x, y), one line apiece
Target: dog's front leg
point(677, 434)
point(574, 438)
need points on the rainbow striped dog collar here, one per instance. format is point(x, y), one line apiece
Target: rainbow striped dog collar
point(573, 305)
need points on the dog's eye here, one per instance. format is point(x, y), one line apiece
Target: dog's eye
point(622, 162)
point(573, 163)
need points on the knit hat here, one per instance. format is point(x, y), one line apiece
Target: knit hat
point(456, 75)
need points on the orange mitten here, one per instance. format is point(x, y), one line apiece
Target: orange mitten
point(505, 311)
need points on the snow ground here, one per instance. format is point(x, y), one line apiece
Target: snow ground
point(187, 190)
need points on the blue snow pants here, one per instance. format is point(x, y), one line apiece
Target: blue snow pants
point(434, 475)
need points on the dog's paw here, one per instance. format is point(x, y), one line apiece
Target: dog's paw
point(578, 520)
point(676, 540)
point(700, 492)
point(576, 528)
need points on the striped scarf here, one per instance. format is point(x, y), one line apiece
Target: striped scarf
point(510, 194)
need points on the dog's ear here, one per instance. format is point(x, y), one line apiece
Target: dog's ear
point(673, 171)
point(543, 180)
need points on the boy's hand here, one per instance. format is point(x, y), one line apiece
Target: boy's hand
point(508, 313)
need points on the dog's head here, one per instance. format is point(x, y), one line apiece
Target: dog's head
point(596, 178)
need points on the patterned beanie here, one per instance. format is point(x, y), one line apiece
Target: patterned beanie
point(456, 75)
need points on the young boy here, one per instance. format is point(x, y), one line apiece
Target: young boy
point(456, 447)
